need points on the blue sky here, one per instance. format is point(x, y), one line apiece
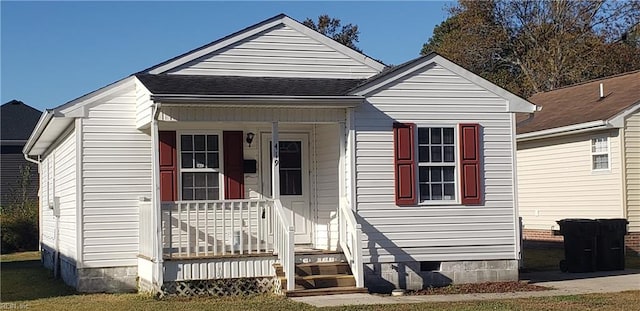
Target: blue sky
point(53, 52)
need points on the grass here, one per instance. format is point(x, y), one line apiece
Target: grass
point(26, 285)
point(23, 278)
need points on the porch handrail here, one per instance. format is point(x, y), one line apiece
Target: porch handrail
point(283, 236)
point(216, 227)
point(351, 240)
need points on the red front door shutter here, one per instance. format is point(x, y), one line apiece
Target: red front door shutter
point(404, 162)
point(471, 184)
point(168, 166)
point(233, 165)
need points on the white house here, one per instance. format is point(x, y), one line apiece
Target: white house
point(169, 180)
point(579, 157)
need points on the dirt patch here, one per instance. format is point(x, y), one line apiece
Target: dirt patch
point(479, 288)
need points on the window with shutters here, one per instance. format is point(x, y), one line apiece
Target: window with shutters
point(199, 158)
point(600, 153)
point(437, 181)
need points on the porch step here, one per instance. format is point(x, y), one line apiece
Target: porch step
point(319, 256)
point(320, 278)
point(325, 291)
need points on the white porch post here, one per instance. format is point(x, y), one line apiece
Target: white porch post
point(275, 162)
point(155, 203)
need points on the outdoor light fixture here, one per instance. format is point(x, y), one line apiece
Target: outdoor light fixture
point(250, 137)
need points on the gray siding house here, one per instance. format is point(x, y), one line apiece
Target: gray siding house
point(271, 154)
point(18, 120)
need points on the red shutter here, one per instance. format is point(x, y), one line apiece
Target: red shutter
point(168, 166)
point(471, 184)
point(233, 165)
point(404, 161)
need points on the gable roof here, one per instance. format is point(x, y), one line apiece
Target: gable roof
point(18, 120)
point(280, 19)
point(581, 103)
point(233, 85)
point(379, 81)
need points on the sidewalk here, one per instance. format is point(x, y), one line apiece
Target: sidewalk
point(562, 284)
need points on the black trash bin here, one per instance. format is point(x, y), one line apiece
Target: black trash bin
point(580, 238)
point(610, 250)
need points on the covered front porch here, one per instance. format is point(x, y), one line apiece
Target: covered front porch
point(240, 189)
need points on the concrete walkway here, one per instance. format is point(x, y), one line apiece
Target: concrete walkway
point(561, 284)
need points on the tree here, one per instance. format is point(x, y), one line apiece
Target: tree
point(537, 45)
point(332, 28)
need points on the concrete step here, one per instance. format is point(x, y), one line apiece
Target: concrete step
point(325, 291)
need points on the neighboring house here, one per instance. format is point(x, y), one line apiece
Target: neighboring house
point(169, 179)
point(18, 177)
point(579, 157)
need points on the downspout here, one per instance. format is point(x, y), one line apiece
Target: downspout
point(156, 204)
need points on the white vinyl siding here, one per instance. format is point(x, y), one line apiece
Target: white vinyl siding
point(47, 220)
point(632, 169)
point(58, 181)
point(116, 173)
point(327, 143)
point(143, 105)
point(435, 97)
point(279, 52)
point(556, 181)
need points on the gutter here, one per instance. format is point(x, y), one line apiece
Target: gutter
point(46, 117)
point(253, 100)
point(565, 130)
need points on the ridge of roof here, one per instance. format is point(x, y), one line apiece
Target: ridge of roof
point(280, 16)
point(589, 81)
point(256, 25)
point(581, 104)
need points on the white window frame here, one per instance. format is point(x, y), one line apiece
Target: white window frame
point(219, 170)
point(594, 153)
point(455, 164)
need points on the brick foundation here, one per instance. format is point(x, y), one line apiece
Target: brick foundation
point(533, 237)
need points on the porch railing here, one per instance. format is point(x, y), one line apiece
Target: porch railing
point(216, 228)
point(283, 236)
point(351, 240)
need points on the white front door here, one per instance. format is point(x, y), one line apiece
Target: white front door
point(294, 179)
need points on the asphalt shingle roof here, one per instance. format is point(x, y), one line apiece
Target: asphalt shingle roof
point(581, 103)
point(18, 120)
point(175, 84)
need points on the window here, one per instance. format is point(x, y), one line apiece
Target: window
point(437, 164)
point(448, 161)
point(290, 153)
point(200, 167)
point(600, 153)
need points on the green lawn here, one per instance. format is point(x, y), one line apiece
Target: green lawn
point(26, 285)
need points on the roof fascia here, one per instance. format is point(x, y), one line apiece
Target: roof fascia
point(362, 58)
point(260, 100)
point(514, 102)
point(77, 107)
point(565, 130)
point(618, 120)
point(261, 27)
point(44, 120)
